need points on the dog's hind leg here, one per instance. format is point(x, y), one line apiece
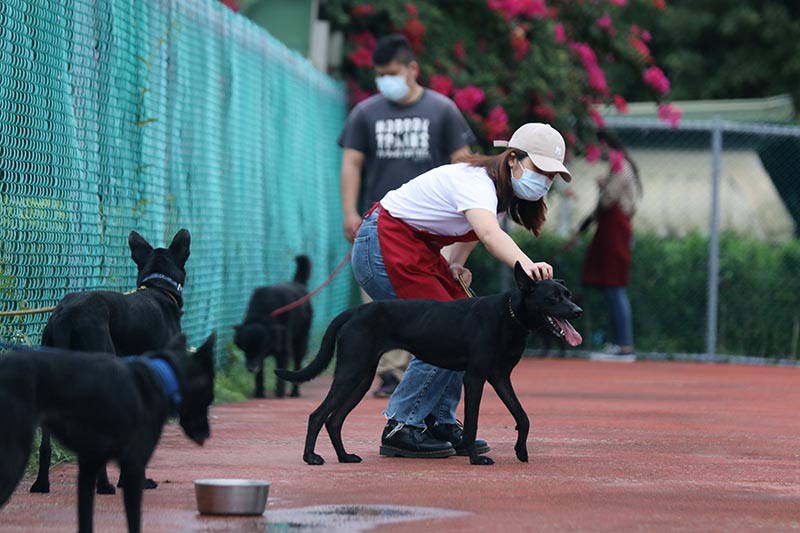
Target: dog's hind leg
point(337, 396)
point(258, 391)
point(42, 483)
point(502, 385)
point(336, 419)
point(473, 390)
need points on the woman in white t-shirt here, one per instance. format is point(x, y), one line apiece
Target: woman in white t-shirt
point(397, 254)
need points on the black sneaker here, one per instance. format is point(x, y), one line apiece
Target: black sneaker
point(454, 434)
point(400, 440)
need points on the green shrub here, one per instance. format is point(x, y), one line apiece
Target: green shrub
point(758, 313)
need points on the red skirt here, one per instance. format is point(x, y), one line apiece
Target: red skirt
point(414, 262)
point(608, 259)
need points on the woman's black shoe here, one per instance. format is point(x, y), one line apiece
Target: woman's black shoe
point(400, 440)
point(454, 434)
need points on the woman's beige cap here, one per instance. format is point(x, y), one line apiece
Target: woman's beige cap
point(543, 144)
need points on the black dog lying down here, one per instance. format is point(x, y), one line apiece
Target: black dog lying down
point(102, 408)
point(483, 336)
point(124, 324)
point(285, 336)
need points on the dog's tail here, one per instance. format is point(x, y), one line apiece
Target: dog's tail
point(303, 269)
point(324, 355)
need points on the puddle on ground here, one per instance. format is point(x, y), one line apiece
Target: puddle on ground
point(349, 518)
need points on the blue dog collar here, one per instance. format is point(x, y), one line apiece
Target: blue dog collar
point(167, 378)
point(177, 286)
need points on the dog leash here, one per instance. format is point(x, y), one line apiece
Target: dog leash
point(468, 290)
point(313, 293)
point(52, 308)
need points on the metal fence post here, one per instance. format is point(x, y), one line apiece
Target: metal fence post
point(713, 242)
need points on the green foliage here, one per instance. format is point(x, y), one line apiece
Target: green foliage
point(758, 311)
point(518, 58)
point(713, 49)
point(233, 383)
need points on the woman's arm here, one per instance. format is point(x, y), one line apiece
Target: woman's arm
point(501, 245)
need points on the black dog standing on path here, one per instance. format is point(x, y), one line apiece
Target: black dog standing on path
point(103, 408)
point(285, 336)
point(122, 324)
point(483, 336)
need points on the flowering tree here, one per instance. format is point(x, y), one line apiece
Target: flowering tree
point(507, 62)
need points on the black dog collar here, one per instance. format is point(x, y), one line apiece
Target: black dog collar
point(155, 275)
point(513, 314)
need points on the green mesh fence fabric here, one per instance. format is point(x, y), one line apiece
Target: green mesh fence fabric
point(153, 116)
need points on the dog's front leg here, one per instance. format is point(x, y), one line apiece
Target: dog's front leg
point(473, 390)
point(502, 385)
point(132, 494)
point(88, 467)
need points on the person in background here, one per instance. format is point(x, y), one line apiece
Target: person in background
point(397, 254)
point(389, 138)
point(608, 258)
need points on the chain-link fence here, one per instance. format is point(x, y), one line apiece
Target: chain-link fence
point(716, 256)
point(152, 116)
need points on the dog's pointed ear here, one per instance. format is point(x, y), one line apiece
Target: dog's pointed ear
point(205, 353)
point(179, 247)
point(524, 281)
point(140, 248)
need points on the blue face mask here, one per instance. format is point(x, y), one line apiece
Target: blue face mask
point(394, 88)
point(531, 185)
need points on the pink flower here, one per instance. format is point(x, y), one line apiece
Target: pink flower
point(621, 3)
point(414, 30)
point(458, 50)
point(361, 57)
point(661, 5)
point(592, 153)
point(640, 47)
point(559, 33)
point(604, 23)
point(646, 36)
point(597, 118)
point(441, 84)
point(615, 159)
point(655, 78)
point(365, 39)
point(670, 113)
point(514, 8)
point(544, 111)
point(411, 9)
point(496, 123)
point(363, 10)
point(519, 43)
point(468, 98)
point(597, 80)
point(620, 104)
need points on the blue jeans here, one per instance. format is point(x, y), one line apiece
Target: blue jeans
point(425, 389)
point(621, 315)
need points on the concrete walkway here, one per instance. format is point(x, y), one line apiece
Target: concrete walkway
point(647, 446)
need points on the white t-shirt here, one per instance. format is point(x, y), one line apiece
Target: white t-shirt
point(435, 201)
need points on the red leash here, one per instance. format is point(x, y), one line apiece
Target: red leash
point(310, 295)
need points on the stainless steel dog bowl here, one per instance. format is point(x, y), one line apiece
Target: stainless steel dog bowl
point(231, 496)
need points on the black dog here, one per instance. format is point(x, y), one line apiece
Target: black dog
point(483, 336)
point(123, 324)
point(285, 336)
point(103, 408)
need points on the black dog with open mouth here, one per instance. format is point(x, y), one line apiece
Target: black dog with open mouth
point(483, 336)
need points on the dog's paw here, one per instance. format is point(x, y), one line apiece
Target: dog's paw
point(42, 487)
point(350, 458)
point(313, 459)
point(259, 395)
point(295, 393)
point(481, 460)
point(150, 483)
point(522, 454)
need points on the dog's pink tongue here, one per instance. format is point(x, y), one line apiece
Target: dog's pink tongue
point(571, 335)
